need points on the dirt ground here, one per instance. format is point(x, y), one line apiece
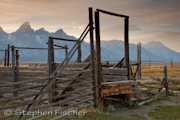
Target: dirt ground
point(149, 73)
point(144, 111)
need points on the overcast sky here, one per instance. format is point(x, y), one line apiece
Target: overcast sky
point(150, 20)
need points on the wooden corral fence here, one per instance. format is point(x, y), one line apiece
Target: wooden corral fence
point(69, 85)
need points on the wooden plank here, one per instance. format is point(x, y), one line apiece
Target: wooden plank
point(63, 39)
point(118, 83)
point(24, 82)
point(28, 91)
point(115, 71)
point(89, 71)
point(85, 77)
point(153, 98)
point(74, 65)
point(44, 68)
point(116, 90)
point(5, 73)
point(144, 91)
point(72, 69)
point(6, 68)
point(33, 74)
point(111, 13)
point(19, 97)
point(25, 74)
point(5, 79)
point(111, 78)
point(23, 87)
point(125, 89)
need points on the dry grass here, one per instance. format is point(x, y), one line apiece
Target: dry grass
point(157, 70)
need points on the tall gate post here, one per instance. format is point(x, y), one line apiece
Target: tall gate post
point(51, 65)
point(17, 65)
point(92, 59)
point(13, 69)
point(8, 54)
point(166, 81)
point(126, 37)
point(139, 60)
point(5, 56)
point(98, 58)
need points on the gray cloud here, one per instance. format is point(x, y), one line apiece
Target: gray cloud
point(146, 17)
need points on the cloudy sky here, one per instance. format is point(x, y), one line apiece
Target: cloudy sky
point(150, 20)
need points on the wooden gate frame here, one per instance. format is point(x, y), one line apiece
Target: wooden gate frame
point(98, 46)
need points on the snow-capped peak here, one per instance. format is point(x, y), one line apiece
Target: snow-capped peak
point(42, 29)
point(25, 27)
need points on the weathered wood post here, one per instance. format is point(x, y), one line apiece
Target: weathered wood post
point(66, 50)
point(17, 66)
point(139, 60)
point(92, 59)
point(8, 54)
point(51, 65)
point(98, 58)
point(171, 63)
point(5, 57)
point(126, 38)
point(166, 81)
point(79, 52)
point(13, 69)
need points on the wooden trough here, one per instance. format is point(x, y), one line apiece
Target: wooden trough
point(115, 82)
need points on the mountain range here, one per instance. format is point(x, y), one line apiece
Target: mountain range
point(112, 50)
